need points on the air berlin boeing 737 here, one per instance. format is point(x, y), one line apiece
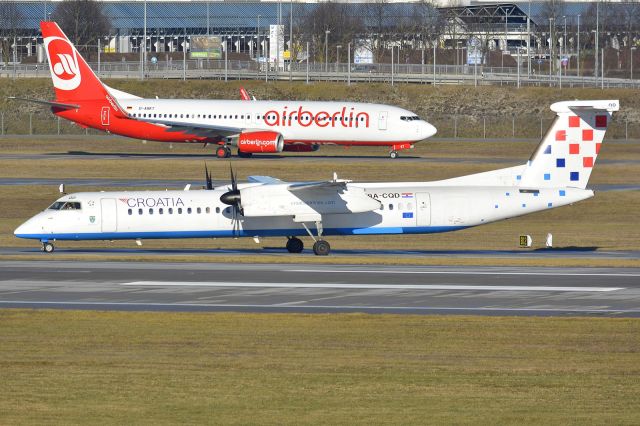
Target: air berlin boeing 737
point(253, 127)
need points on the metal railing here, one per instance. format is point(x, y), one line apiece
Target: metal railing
point(340, 72)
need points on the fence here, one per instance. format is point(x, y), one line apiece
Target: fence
point(341, 72)
point(449, 126)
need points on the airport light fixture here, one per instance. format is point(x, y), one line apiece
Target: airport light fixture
point(631, 76)
point(338, 47)
point(326, 50)
point(578, 56)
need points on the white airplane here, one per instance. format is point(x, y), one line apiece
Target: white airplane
point(556, 175)
point(252, 127)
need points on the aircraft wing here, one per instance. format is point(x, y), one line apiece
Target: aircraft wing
point(202, 129)
point(335, 183)
point(265, 180)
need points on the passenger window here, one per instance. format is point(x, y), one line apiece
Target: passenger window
point(170, 210)
point(160, 210)
point(130, 212)
point(208, 210)
point(199, 210)
point(217, 209)
point(150, 211)
point(179, 210)
point(139, 211)
point(390, 206)
point(189, 210)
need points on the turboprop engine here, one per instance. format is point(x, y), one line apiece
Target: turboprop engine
point(260, 141)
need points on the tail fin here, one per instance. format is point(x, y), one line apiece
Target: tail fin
point(568, 152)
point(73, 79)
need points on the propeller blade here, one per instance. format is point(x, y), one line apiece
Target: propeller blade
point(234, 183)
point(207, 177)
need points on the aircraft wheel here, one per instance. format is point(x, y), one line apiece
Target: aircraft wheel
point(295, 245)
point(222, 152)
point(47, 247)
point(393, 154)
point(321, 248)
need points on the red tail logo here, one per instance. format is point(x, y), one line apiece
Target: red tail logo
point(64, 63)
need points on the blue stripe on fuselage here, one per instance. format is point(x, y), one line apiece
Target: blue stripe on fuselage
point(241, 233)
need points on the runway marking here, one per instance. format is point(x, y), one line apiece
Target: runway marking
point(394, 271)
point(367, 286)
point(328, 307)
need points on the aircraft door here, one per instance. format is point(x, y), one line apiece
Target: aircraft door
point(104, 116)
point(108, 215)
point(423, 209)
point(382, 120)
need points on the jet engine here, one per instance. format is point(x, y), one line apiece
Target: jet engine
point(261, 141)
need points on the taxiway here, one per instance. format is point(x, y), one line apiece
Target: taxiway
point(319, 288)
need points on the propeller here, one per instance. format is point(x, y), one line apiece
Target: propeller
point(232, 198)
point(207, 177)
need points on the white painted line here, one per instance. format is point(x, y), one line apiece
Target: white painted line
point(328, 307)
point(366, 286)
point(402, 271)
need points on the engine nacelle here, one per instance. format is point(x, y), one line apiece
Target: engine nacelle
point(298, 147)
point(255, 142)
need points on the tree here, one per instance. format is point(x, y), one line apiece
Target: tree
point(10, 20)
point(83, 21)
point(343, 26)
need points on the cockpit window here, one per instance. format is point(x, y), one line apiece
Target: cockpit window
point(68, 205)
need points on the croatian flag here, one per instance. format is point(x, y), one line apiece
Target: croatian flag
point(407, 195)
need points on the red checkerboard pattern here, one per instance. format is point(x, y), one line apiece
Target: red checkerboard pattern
point(574, 121)
point(561, 135)
point(574, 148)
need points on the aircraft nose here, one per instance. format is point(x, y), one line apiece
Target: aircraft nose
point(27, 228)
point(428, 130)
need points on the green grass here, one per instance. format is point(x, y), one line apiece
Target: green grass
point(77, 367)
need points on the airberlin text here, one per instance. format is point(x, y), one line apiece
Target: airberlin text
point(340, 118)
point(153, 202)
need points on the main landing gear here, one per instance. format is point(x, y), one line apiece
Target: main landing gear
point(295, 245)
point(47, 247)
point(393, 154)
point(320, 246)
point(223, 151)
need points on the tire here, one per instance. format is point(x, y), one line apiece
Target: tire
point(48, 247)
point(393, 155)
point(295, 245)
point(221, 152)
point(321, 248)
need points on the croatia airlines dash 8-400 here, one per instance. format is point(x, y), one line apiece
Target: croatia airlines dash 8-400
point(252, 127)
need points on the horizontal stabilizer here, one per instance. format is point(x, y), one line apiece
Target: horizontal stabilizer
point(49, 103)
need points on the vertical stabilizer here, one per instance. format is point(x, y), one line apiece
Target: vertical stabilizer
point(72, 77)
point(568, 152)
